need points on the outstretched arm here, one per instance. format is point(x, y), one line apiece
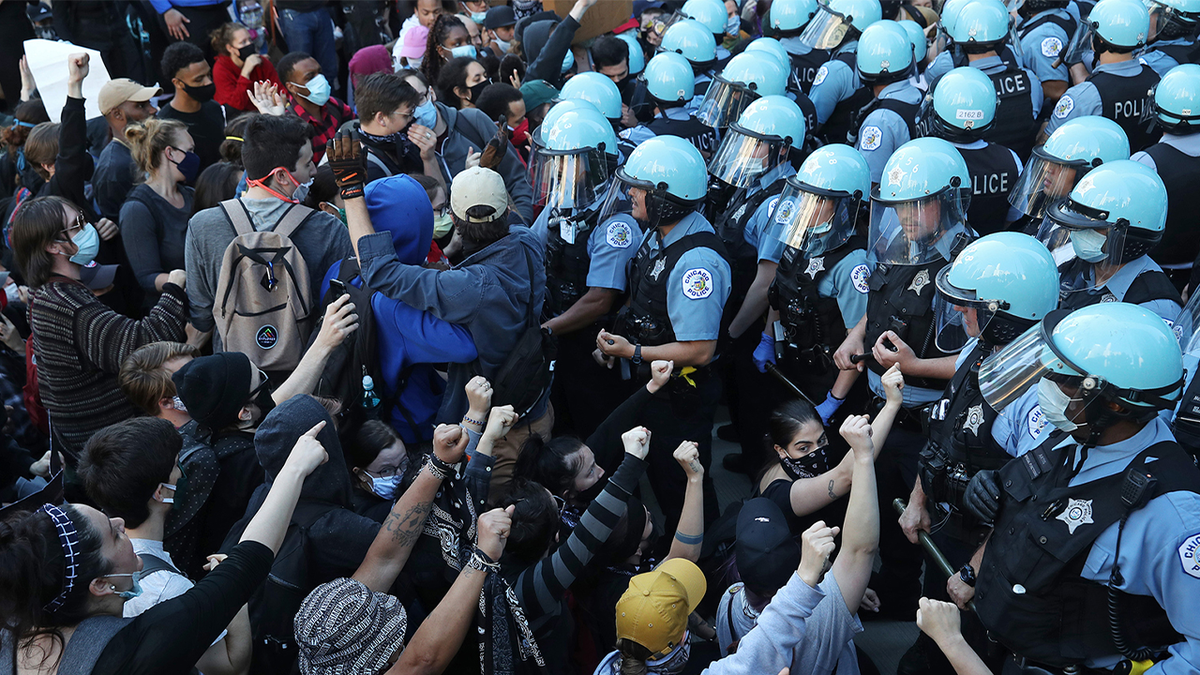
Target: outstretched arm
point(689, 534)
point(860, 535)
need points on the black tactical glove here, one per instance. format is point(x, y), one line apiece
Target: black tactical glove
point(982, 498)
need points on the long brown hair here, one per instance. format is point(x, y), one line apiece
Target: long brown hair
point(41, 147)
point(38, 224)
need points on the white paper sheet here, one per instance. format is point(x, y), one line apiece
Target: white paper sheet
point(48, 61)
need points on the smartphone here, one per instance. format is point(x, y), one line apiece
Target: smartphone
point(339, 286)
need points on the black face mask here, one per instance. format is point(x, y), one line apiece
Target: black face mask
point(202, 94)
point(811, 465)
point(245, 52)
point(478, 89)
point(261, 397)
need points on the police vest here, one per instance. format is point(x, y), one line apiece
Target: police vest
point(845, 113)
point(813, 325)
point(901, 300)
point(1030, 594)
point(731, 226)
point(960, 440)
point(906, 111)
point(1064, 22)
point(645, 319)
point(691, 130)
point(804, 69)
point(1181, 173)
point(993, 172)
point(567, 266)
point(1185, 53)
point(959, 58)
point(1016, 122)
point(1149, 285)
point(1127, 102)
point(1186, 423)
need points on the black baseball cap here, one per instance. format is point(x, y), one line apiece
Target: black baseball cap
point(499, 17)
point(766, 553)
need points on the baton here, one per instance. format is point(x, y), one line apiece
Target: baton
point(931, 548)
point(859, 358)
point(772, 369)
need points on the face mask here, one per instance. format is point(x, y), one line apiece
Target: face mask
point(521, 132)
point(88, 241)
point(477, 89)
point(733, 26)
point(1089, 244)
point(302, 189)
point(178, 403)
point(811, 465)
point(245, 52)
point(1054, 402)
point(442, 225)
point(173, 489)
point(478, 17)
point(201, 94)
point(502, 44)
point(425, 115)
point(298, 195)
point(384, 488)
point(318, 90)
point(414, 62)
point(189, 166)
point(134, 590)
point(568, 62)
point(462, 50)
point(673, 663)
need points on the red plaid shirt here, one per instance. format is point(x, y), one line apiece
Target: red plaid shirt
point(333, 115)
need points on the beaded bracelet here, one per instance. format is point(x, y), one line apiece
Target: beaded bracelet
point(469, 419)
point(482, 562)
point(439, 469)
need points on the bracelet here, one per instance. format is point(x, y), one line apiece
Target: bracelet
point(482, 562)
point(437, 468)
point(352, 191)
point(469, 420)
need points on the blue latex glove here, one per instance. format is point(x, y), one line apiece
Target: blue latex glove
point(828, 407)
point(764, 353)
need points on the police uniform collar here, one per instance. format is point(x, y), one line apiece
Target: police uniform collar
point(1118, 284)
point(977, 144)
point(690, 224)
point(1188, 144)
point(891, 90)
point(784, 169)
point(793, 45)
point(677, 113)
point(992, 62)
point(1122, 68)
point(1108, 460)
point(848, 47)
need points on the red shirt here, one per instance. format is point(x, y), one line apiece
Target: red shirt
point(232, 87)
point(333, 115)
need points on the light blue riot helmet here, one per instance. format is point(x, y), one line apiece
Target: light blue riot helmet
point(669, 79)
point(980, 25)
point(552, 114)
point(949, 14)
point(672, 173)
point(771, 46)
point(1115, 214)
point(1110, 352)
point(962, 107)
point(1076, 147)
point(884, 53)
point(819, 209)
point(1176, 100)
point(1172, 19)
point(1008, 278)
point(789, 17)
point(916, 38)
point(840, 18)
point(1114, 25)
point(918, 212)
point(571, 166)
point(759, 140)
point(745, 78)
point(710, 13)
point(692, 39)
point(637, 58)
point(597, 89)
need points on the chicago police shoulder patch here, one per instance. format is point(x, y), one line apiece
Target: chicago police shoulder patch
point(619, 235)
point(822, 72)
point(1064, 107)
point(1051, 46)
point(871, 136)
point(697, 283)
point(861, 275)
point(1189, 550)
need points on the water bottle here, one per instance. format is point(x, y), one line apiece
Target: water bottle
point(370, 400)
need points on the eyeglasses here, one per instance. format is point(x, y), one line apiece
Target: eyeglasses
point(562, 503)
point(80, 223)
point(262, 386)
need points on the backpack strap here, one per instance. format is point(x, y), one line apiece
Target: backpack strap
point(87, 643)
point(379, 163)
point(238, 216)
point(152, 563)
point(292, 220)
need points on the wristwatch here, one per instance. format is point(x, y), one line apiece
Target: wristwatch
point(637, 355)
point(967, 574)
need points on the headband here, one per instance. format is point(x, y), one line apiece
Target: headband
point(19, 123)
point(68, 539)
point(234, 138)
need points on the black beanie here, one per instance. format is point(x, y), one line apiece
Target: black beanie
point(214, 388)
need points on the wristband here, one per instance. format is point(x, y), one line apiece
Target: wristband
point(469, 420)
point(437, 468)
point(482, 562)
point(637, 355)
point(352, 191)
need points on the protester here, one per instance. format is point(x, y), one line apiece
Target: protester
point(122, 102)
point(311, 98)
point(461, 81)
point(193, 104)
point(237, 68)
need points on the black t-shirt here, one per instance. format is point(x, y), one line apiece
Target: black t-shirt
point(780, 492)
point(207, 127)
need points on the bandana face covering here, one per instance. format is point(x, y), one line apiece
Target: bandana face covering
point(811, 465)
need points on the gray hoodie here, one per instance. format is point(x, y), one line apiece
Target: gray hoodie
point(470, 129)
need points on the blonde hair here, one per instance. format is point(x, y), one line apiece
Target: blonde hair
point(148, 139)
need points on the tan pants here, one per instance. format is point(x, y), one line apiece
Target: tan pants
point(506, 450)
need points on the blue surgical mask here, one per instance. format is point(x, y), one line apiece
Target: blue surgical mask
point(425, 115)
point(134, 590)
point(569, 61)
point(88, 241)
point(384, 488)
point(463, 50)
point(733, 26)
point(478, 17)
point(1089, 244)
point(318, 90)
point(1053, 402)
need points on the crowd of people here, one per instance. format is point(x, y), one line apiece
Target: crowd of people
point(389, 336)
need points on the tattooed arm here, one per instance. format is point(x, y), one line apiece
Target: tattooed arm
point(403, 525)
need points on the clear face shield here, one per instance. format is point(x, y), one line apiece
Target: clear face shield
point(1080, 45)
point(1045, 180)
point(1091, 239)
point(724, 102)
point(745, 155)
point(961, 314)
point(1161, 16)
point(1187, 327)
point(825, 30)
point(813, 221)
point(572, 179)
point(644, 202)
point(919, 231)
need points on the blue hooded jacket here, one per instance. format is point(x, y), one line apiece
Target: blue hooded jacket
point(407, 337)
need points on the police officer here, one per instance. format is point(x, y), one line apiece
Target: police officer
point(585, 259)
point(691, 39)
point(1114, 216)
point(746, 77)
point(962, 110)
point(920, 47)
point(786, 20)
point(1178, 154)
point(1185, 423)
point(980, 31)
point(836, 90)
point(999, 286)
point(884, 61)
point(597, 89)
point(678, 284)
point(670, 84)
point(1119, 87)
point(983, 32)
point(1055, 167)
point(917, 221)
point(820, 287)
point(1044, 30)
point(1092, 559)
point(712, 15)
point(752, 166)
point(1173, 26)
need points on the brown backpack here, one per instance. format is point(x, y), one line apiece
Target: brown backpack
point(263, 306)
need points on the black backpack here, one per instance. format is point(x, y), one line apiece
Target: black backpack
point(527, 372)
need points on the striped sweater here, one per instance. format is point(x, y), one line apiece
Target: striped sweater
point(79, 345)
